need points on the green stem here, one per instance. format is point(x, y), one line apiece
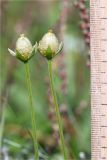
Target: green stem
point(57, 110)
point(34, 133)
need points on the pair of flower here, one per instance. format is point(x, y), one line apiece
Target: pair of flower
point(49, 47)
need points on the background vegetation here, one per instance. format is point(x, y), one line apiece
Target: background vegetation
point(71, 73)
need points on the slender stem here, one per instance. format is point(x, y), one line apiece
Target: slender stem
point(34, 127)
point(57, 110)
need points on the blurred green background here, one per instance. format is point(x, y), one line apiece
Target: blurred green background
point(72, 81)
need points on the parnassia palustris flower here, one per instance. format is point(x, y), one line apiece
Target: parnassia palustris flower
point(49, 46)
point(24, 49)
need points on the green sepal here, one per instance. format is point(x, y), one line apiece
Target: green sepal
point(60, 48)
point(21, 58)
point(27, 57)
point(12, 52)
point(49, 54)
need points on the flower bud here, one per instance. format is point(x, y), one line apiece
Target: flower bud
point(24, 49)
point(49, 45)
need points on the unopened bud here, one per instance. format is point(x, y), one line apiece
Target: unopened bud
point(49, 45)
point(24, 49)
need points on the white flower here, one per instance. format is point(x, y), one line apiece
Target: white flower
point(24, 49)
point(49, 45)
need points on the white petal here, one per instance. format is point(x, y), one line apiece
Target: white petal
point(23, 45)
point(49, 39)
point(11, 52)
